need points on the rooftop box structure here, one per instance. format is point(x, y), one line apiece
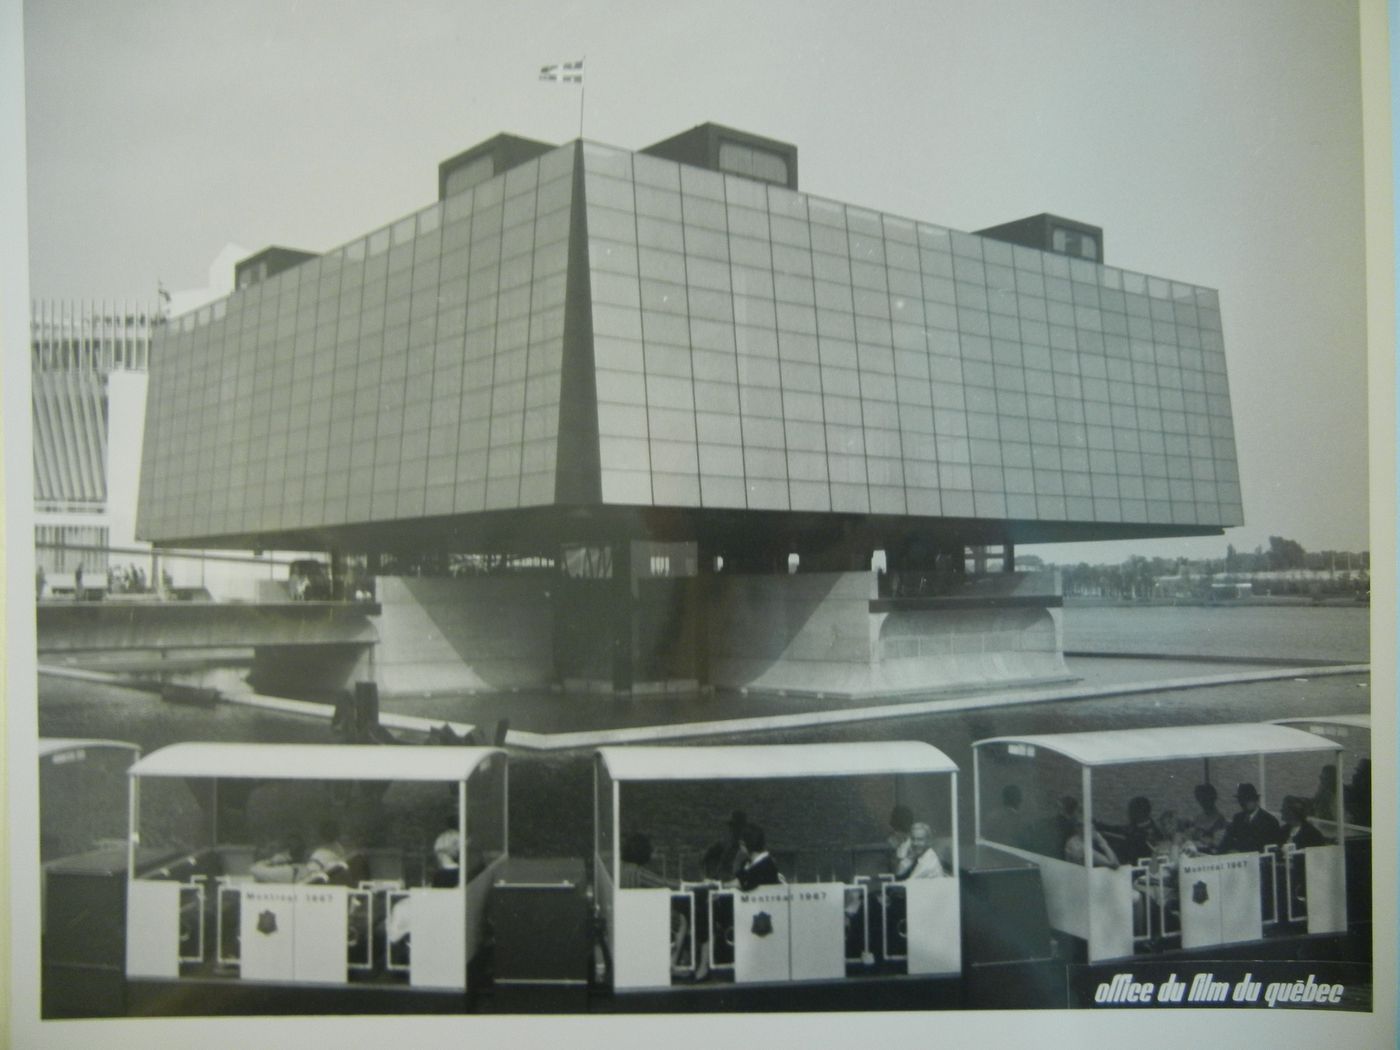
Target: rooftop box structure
point(1051, 233)
point(733, 152)
point(267, 263)
point(495, 156)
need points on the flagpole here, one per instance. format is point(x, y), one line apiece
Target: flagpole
point(582, 87)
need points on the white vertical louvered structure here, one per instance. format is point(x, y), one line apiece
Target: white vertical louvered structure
point(89, 362)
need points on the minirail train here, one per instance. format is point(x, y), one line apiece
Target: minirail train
point(285, 878)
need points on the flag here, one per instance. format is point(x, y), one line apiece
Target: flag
point(565, 73)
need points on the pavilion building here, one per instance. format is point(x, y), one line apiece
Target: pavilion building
point(658, 409)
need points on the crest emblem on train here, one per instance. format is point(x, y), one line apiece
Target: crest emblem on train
point(267, 922)
point(762, 924)
point(1199, 893)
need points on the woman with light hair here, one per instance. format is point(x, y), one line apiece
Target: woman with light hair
point(447, 849)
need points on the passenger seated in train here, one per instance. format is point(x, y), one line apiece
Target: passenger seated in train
point(1356, 795)
point(1104, 857)
point(1158, 885)
point(1063, 836)
point(279, 862)
point(1133, 841)
point(901, 821)
point(447, 852)
point(1298, 830)
point(1209, 825)
point(1174, 840)
point(1067, 821)
point(724, 858)
point(1253, 827)
point(1324, 800)
point(1297, 833)
point(923, 861)
point(636, 855)
point(1008, 824)
point(760, 869)
point(326, 864)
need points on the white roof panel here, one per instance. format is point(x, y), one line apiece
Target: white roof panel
point(313, 762)
point(1121, 746)
point(776, 760)
point(1350, 721)
point(53, 745)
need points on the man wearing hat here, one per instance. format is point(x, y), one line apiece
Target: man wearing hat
point(1252, 828)
point(724, 859)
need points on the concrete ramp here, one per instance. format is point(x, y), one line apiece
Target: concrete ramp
point(829, 634)
point(72, 627)
point(297, 646)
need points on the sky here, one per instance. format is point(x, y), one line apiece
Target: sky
point(1217, 144)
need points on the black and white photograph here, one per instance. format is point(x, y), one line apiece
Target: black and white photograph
point(563, 521)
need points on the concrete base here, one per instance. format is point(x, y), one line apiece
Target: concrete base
point(818, 634)
point(463, 635)
point(810, 633)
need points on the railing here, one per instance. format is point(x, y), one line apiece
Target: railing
point(685, 900)
point(720, 922)
point(893, 913)
point(228, 909)
point(397, 958)
point(858, 904)
point(192, 921)
point(727, 932)
point(1156, 902)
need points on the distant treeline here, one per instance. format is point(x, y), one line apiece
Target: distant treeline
point(1284, 568)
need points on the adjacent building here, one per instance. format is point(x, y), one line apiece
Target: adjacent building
point(89, 364)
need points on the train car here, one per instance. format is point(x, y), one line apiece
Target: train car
point(310, 877)
point(1353, 733)
point(82, 795)
point(1175, 875)
point(831, 911)
point(278, 878)
point(82, 852)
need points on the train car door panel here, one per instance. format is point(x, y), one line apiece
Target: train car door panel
point(641, 948)
point(934, 926)
point(1110, 903)
point(1325, 889)
point(438, 951)
point(1219, 900)
point(818, 919)
point(1066, 896)
point(478, 890)
point(267, 933)
point(319, 943)
point(763, 935)
point(153, 917)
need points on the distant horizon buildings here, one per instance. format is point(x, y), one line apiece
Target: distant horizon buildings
point(89, 362)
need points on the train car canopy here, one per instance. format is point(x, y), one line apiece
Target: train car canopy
point(313, 762)
point(1165, 743)
point(50, 746)
point(774, 761)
